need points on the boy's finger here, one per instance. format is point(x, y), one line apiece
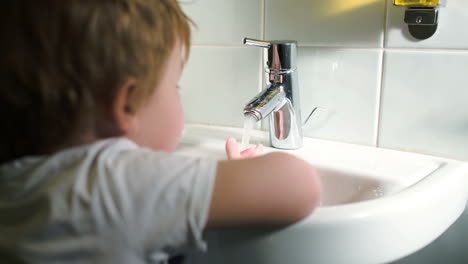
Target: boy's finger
point(259, 149)
point(250, 152)
point(232, 150)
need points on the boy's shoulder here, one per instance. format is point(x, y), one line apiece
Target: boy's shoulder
point(112, 153)
point(108, 188)
point(64, 157)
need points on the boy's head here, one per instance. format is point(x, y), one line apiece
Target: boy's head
point(64, 64)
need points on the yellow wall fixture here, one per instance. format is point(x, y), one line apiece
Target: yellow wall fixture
point(422, 16)
point(416, 2)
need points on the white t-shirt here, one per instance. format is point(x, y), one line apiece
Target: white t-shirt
point(108, 202)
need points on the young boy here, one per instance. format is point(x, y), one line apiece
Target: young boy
point(90, 114)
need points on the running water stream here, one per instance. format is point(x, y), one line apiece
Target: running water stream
point(249, 123)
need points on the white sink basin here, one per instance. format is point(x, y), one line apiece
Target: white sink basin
point(377, 205)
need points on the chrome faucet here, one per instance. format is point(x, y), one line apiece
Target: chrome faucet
point(280, 99)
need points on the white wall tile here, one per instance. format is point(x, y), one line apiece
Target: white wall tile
point(218, 82)
point(425, 102)
point(225, 22)
point(344, 82)
point(451, 31)
point(327, 23)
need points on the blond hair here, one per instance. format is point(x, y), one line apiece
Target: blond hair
point(62, 63)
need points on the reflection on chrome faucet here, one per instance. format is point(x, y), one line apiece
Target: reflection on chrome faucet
point(280, 99)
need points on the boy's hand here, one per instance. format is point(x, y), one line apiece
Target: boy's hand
point(232, 150)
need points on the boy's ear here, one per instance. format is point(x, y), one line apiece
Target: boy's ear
point(123, 110)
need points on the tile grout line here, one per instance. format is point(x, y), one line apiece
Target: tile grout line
point(263, 36)
point(348, 48)
point(381, 79)
point(263, 19)
point(387, 49)
point(380, 92)
point(385, 26)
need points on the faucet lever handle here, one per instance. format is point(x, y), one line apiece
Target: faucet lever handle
point(257, 43)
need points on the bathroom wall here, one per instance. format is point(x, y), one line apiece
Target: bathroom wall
point(373, 83)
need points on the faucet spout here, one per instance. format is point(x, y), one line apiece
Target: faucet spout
point(267, 101)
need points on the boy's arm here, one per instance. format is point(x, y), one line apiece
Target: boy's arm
point(272, 189)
